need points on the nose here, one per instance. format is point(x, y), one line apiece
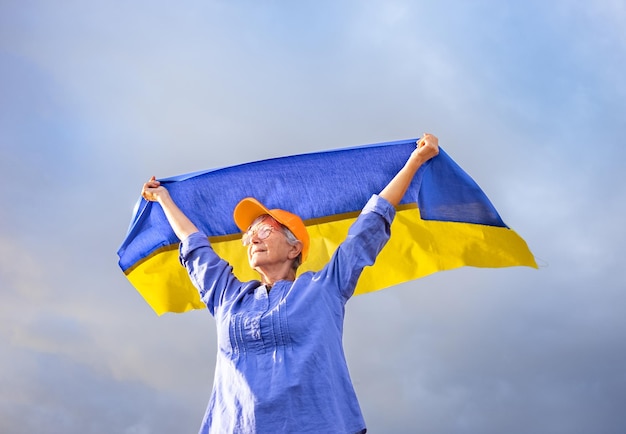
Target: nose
point(254, 239)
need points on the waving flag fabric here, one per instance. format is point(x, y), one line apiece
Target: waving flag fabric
point(445, 220)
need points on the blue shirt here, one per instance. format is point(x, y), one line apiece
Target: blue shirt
point(280, 363)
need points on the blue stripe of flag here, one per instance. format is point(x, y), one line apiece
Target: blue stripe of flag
point(311, 185)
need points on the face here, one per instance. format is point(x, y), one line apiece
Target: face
point(272, 251)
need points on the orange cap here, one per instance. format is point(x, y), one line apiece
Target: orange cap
point(249, 209)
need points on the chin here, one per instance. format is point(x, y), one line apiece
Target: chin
point(253, 263)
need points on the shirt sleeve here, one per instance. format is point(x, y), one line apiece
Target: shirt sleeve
point(366, 238)
point(210, 274)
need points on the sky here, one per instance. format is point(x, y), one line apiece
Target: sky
point(528, 97)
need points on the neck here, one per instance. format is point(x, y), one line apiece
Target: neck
point(270, 277)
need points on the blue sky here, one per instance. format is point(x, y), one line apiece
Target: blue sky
point(528, 97)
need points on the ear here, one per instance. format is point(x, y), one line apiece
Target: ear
point(295, 250)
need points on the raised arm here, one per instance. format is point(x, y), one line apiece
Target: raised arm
point(180, 223)
point(427, 148)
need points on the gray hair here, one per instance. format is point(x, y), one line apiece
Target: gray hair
point(291, 238)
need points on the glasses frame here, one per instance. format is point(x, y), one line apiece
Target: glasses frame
point(262, 232)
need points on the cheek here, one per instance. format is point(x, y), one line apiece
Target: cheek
point(286, 250)
point(249, 254)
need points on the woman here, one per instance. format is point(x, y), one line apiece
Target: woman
point(280, 364)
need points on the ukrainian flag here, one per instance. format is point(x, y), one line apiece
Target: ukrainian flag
point(445, 220)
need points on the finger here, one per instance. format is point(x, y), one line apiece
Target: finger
point(423, 139)
point(147, 194)
point(152, 183)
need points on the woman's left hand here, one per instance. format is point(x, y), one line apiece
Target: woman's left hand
point(427, 147)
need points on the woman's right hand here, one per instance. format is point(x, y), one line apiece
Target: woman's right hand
point(152, 190)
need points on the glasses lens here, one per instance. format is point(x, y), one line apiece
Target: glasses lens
point(261, 233)
point(264, 232)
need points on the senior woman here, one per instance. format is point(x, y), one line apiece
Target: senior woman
point(280, 364)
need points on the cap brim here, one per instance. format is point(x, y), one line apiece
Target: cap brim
point(246, 211)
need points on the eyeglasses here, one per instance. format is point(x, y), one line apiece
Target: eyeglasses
point(261, 232)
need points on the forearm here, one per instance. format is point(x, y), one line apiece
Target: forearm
point(180, 223)
point(397, 187)
point(427, 148)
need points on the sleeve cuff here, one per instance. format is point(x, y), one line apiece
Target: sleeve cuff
point(380, 206)
point(192, 242)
